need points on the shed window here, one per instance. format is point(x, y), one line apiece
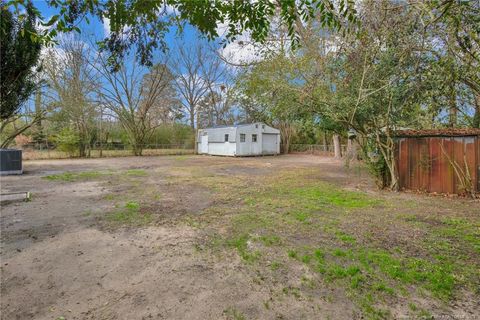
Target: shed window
point(242, 137)
point(226, 138)
point(256, 126)
point(254, 138)
point(263, 126)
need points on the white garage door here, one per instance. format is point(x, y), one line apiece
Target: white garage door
point(269, 143)
point(204, 144)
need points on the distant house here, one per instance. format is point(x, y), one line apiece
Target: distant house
point(239, 140)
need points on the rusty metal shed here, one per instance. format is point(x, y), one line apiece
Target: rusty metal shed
point(433, 160)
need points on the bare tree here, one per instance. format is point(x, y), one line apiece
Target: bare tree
point(220, 98)
point(131, 95)
point(188, 65)
point(72, 83)
point(166, 106)
point(203, 81)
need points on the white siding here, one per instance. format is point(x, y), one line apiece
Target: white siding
point(249, 148)
point(268, 140)
point(222, 148)
point(270, 143)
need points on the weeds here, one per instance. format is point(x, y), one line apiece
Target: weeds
point(130, 214)
point(75, 176)
point(241, 244)
point(232, 313)
point(136, 172)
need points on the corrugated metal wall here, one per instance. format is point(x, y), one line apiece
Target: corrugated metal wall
point(423, 165)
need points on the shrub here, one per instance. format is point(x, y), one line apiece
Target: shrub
point(67, 141)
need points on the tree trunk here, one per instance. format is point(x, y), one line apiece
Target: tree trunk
point(476, 116)
point(286, 132)
point(137, 150)
point(351, 152)
point(393, 175)
point(192, 119)
point(324, 140)
point(196, 141)
point(336, 146)
point(81, 149)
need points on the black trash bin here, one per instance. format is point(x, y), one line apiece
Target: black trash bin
point(10, 161)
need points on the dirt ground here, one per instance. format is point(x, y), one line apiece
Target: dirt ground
point(174, 237)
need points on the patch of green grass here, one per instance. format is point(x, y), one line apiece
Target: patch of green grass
point(181, 158)
point(306, 258)
point(461, 230)
point(232, 313)
point(436, 276)
point(319, 255)
point(301, 216)
point(292, 291)
point(130, 214)
point(412, 306)
point(340, 272)
point(88, 213)
point(357, 280)
point(326, 194)
point(339, 253)
point(136, 172)
point(74, 176)
point(382, 287)
point(367, 304)
point(345, 237)
point(132, 205)
point(249, 222)
point(271, 240)
point(367, 271)
point(109, 197)
point(292, 254)
point(241, 244)
point(314, 220)
point(275, 265)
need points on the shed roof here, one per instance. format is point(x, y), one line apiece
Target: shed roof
point(448, 132)
point(234, 125)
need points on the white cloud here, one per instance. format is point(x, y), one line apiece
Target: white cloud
point(240, 52)
point(106, 26)
point(169, 9)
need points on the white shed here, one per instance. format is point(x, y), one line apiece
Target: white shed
point(240, 140)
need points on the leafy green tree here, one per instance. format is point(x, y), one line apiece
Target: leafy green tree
point(272, 93)
point(19, 54)
point(67, 141)
point(450, 30)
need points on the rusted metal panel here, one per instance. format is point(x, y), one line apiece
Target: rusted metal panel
point(470, 158)
point(446, 150)
point(428, 163)
point(436, 165)
point(458, 160)
point(477, 163)
point(402, 161)
point(423, 165)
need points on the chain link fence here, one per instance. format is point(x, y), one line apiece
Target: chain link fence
point(316, 149)
point(34, 151)
point(37, 151)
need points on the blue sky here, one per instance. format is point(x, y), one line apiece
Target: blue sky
point(97, 29)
